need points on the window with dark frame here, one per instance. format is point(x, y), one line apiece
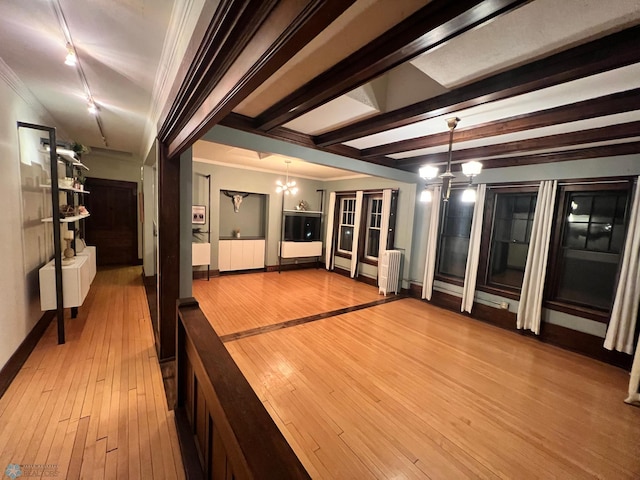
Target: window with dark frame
point(347, 223)
point(510, 235)
point(588, 253)
point(455, 230)
point(374, 222)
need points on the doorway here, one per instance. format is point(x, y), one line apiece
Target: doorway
point(113, 225)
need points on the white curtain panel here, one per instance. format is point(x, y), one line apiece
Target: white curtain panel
point(473, 256)
point(328, 244)
point(622, 326)
point(356, 234)
point(432, 243)
point(634, 383)
point(530, 308)
point(384, 221)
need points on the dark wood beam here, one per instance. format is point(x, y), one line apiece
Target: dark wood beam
point(168, 250)
point(269, 40)
point(244, 123)
point(618, 149)
point(231, 27)
point(432, 25)
point(606, 105)
point(614, 51)
point(592, 135)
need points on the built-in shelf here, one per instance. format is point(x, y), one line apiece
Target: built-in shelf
point(66, 189)
point(304, 211)
point(75, 218)
point(67, 155)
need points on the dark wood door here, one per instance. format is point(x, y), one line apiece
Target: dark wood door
point(113, 224)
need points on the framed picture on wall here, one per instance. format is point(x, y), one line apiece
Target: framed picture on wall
point(198, 214)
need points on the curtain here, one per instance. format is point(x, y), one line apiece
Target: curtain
point(634, 383)
point(328, 245)
point(384, 221)
point(356, 234)
point(622, 326)
point(530, 308)
point(473, 256)
point(432, 243)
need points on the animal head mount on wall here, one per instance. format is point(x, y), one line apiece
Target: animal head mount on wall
point(236, 198)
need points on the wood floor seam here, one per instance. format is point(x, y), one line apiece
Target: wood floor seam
point(308, 319)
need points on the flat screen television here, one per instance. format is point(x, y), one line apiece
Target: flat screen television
point(301, 228)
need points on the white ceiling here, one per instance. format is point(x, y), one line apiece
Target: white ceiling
point(119, 45)
point(217, 154)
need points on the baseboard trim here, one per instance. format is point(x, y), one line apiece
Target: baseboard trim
point(292, 266)
point(562, 337)
point(20, 356)
point(202, 274)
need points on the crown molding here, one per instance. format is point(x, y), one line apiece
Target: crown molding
point(13, 81)
point(181, 25)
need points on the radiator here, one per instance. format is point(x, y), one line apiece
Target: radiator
point(389, 271)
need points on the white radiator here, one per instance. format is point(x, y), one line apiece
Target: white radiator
point(389, 271)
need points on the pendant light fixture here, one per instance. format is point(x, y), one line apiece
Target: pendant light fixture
point(289, 186)
point(470, 169)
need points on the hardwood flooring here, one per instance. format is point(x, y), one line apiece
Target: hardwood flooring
point(95, 406)
point(408, 390)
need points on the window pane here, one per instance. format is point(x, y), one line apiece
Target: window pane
point(593, 238)
point(588, 278)
point(373, 243)
point(575, 235)
point(604, 209)
point(453, 256)
point(510, 238)
point(599, 236)
point(346, 238)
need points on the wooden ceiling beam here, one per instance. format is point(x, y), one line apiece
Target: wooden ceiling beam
point(256, 42)
point(614, 51)
point(592, 135)
point(434, 24)
point(617, 149)
point(619, 102)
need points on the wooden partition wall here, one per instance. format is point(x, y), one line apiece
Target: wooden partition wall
point(225, 432)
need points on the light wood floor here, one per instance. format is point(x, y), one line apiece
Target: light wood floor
point(407, 390)
point(94, 407)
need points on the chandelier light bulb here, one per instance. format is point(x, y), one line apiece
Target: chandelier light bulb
point(469, 195)
point(428, 172)
point(71, 58)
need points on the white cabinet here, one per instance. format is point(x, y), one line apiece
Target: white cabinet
point(240, 254)
point(300, 249)
point(76, 280)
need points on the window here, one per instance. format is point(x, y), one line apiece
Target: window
point(347, 222)
point(374, 220)
point(587, 255)
point(510, 235)
point(455, 230)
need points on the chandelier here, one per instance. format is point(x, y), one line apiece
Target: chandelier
point(470, 169)
point(289, 186)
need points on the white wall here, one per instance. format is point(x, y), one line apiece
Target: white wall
point(26, 243)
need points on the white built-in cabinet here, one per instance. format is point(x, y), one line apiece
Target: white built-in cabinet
point(76, 280)
point(244, 254)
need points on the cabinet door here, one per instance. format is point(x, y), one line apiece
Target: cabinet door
point(237, 256)
point(224, 255)
point(258, 254)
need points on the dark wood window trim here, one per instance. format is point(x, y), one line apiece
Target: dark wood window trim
point(343, 255)
point(500, 292)
point(564, 187)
